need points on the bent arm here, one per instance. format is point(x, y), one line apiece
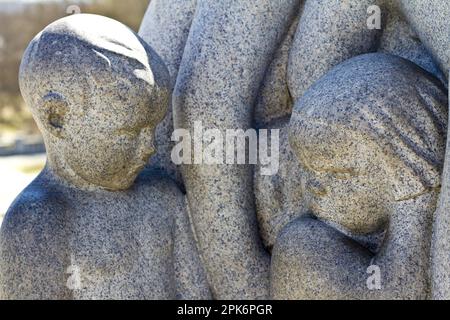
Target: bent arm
point(230, 45)
point(404, 260)
point(329, 33)
point(312, 260)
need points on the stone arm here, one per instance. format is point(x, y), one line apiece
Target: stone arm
point(404, 259)
point(329, 33)
point(430, 21)
point(312, 260)
point(230, 45)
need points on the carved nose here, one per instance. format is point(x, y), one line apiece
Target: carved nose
point(315, 187)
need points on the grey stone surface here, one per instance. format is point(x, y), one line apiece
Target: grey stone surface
point(370, 138)
point(278, 197)
point(399, 38)
point(430, 20)
point(86, 228)
point(328, 34)
point(360, 161)
point(230, 46)
point(273, 108)
point(273, 101)
point(165, 28)
point(331, 32)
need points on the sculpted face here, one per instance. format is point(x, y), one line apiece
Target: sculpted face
point(343, 178)
point(97, 92)
point(366, 149)
point(111, 141)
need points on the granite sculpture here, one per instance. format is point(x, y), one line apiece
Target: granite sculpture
point(89, 227)
point(317, 36)
point(359, 208)
point(371, 176)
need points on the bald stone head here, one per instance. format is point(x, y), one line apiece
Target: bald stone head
point(369, 135)
point(97, 91)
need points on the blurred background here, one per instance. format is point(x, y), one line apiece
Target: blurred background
point(22, 153)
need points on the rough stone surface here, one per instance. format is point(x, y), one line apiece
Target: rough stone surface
point(84, 229)
point(399, 38)
point(430, 20)
point(274, 101)
point(370, 139)
point(278, 197)
point(273, 109)
point(230, 46)
point(361, 159)
point(331, 32)
point(165, 28)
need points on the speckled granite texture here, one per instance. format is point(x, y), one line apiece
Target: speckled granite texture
point(230, 45)
point(351, 212)
point(371, 147)
point(85, 229)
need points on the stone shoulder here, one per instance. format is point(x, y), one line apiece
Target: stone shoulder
point(38, 205)
point(158, 187)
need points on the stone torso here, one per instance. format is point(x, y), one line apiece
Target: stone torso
point(98, 245)
point(124, 250)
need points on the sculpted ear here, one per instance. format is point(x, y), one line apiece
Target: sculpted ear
point(53, 114)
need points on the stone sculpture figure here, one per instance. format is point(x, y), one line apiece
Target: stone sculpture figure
point(84, 229)
point(416, 30)
point(430, 20)
point(370, 137)
point(325, 34)
point(229, 47)
point(328, 33)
